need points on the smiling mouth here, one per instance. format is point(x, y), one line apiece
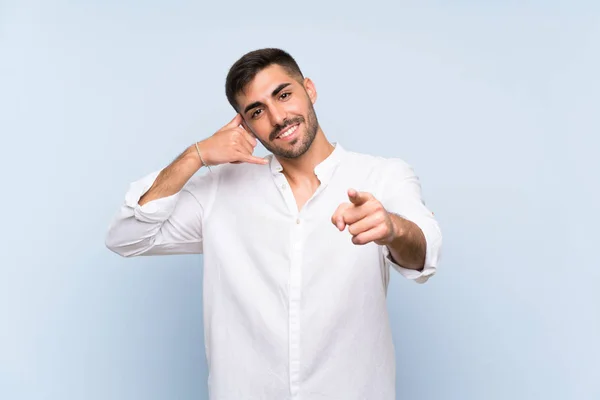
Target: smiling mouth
point(288, 132)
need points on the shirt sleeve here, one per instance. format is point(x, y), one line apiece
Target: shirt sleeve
point(170, 225)
point(402, 196)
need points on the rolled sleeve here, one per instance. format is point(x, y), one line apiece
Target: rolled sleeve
point(402, 196)
point(169, 225)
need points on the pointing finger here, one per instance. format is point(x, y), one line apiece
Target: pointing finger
point(358, 198)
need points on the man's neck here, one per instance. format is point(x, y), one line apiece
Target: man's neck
point(301, 169)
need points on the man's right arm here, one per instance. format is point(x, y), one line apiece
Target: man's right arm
point(163, 212)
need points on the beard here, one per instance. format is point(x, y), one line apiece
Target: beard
point(300, 145)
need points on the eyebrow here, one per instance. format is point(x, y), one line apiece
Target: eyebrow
point(273, 94)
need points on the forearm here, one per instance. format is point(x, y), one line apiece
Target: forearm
point(408, 246)
point(174, 177)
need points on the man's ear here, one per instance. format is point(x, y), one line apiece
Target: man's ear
point(309, 86)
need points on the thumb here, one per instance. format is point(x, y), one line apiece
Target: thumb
point(337, 218)
point(235, 122)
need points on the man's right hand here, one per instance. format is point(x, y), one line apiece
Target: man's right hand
point(230, 144)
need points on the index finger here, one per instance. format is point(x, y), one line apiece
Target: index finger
point(357, 198)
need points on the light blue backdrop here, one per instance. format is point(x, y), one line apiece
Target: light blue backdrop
point(495, 104)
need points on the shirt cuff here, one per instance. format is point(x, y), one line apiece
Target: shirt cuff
point(154, 211)
point(433, 240)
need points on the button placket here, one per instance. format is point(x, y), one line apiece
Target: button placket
point(284, 188)
point(294, 304)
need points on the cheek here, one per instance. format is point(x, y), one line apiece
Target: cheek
point(261, 128)
point(299, 109)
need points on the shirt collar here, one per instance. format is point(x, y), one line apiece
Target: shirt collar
point(323, 170)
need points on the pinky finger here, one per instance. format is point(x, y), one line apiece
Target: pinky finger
point(256, 160)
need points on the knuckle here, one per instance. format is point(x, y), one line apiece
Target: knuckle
point(384, 231)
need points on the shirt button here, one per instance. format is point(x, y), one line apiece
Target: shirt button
point(284, 186)
point(298, 221)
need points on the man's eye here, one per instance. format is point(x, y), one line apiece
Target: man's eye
point(256, 113)
point(285, 95)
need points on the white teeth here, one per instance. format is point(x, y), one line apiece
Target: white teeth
point(289, 131)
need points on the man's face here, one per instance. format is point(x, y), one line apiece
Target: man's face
point(279, 111)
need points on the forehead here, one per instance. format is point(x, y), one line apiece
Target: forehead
point(263, 84)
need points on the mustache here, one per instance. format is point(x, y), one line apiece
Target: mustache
point(286, 124)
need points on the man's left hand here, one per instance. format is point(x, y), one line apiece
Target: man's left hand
point(366, 218)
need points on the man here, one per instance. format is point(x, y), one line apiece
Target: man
point(297, 245)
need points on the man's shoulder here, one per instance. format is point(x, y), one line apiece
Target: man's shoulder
point(231, 173)
point(362, 160)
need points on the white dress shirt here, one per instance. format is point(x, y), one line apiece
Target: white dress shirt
point(292, 308)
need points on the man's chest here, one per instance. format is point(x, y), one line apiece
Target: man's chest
point(258, 233)
point(264, 219)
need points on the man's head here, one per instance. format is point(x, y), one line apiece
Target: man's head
point(267, 88)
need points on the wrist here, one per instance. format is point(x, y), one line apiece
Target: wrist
point(398, 227)
point(203, 153)
point(190, 158)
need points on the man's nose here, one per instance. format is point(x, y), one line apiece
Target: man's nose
point(278, 116)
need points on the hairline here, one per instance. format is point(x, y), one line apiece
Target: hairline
point(295, 75)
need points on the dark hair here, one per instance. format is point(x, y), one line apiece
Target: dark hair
point(245, 69)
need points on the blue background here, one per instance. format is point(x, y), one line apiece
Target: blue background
point(495, 104)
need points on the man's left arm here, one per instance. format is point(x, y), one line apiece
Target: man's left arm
point(409, 235)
